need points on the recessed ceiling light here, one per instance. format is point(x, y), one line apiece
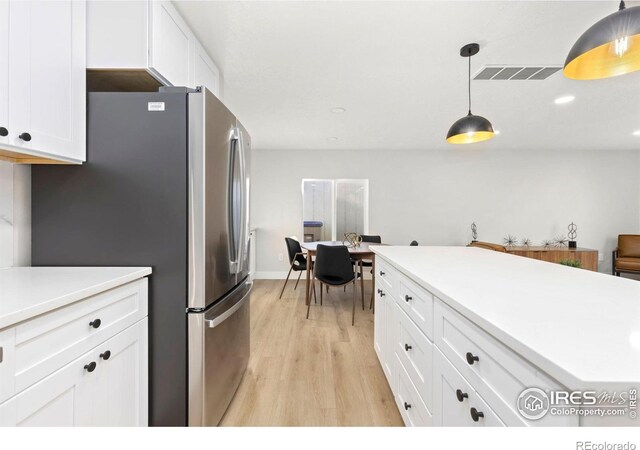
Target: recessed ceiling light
point(338, 110)
point(332, 138)
point(564, 99)
point(636, 133)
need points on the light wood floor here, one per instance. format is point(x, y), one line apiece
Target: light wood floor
point(316, 372)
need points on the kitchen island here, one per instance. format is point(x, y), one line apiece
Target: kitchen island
point(73, 346)
point(459, 327)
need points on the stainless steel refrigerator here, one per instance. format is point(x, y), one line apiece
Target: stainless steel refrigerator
point(166, 184)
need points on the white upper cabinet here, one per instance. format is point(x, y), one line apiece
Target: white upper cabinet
point(4, 72)
point(151, 35)
point(205, 72)
point(171, 46)
point(43, 91)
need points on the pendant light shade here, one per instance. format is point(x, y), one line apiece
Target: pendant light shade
point(609, 48)
point(470, 128)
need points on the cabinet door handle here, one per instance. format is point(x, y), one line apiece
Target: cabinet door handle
point(379, 290)
point(95, 323)
point(407, 347)
point(461, 395)
point(381, 273)
point(407, 298)
point(90, 367)
point(25, 137)
point(106, 355)
point(3, 131)
point(407, 406)
point(471, 358)
point(382, 294)
point(475, 414)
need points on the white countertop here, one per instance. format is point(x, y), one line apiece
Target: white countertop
point(26, 292)
point(581, 327)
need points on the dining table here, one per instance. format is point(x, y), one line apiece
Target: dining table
point(360, 253)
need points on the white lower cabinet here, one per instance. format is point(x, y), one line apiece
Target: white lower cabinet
point(443, 369)
point(104, 387)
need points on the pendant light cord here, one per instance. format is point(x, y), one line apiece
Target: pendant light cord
point(469, 78)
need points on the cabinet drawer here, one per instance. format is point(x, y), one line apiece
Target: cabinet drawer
point(48, 342)
point(498, 374)
point(454, 399)
point(417, 303)
point(413, 411)
point(415, 352)
point(386, 274)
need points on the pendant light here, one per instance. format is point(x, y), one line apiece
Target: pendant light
point(470, 128)
point(609, 48)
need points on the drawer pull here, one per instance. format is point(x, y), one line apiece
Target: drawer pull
point(106, 355)
point(3, 131)
point(471, 358)
point(381, 273)
point(407, 406)
point(382, 294)
point(90, 367)
point(475, 414)
point(461, 395)
point(95, 323)
point(379, 290)
point(407, 298)
point(407, 347)
point(25, 137)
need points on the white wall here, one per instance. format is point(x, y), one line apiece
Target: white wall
point(15, 215)
point(433, 197)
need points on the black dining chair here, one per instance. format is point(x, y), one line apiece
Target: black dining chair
point(413, 244)
point(333, 268)
point(297, 259)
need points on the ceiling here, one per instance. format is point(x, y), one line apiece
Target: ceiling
point(395, 67)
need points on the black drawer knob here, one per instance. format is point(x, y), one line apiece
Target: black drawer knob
point(95, 323)
point(3, 131)
point(407, 406)
point(381, 273)
point(461, 395)
point(25, 137)
point(475, 414)
point(106, 355)
point(407, 347)
point(90, 367)
point(407, 298)
point(471, 358)
point(379, 290)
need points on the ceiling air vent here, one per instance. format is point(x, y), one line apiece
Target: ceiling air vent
point(516, 72)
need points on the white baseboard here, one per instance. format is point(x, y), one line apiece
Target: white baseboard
point(275, 275)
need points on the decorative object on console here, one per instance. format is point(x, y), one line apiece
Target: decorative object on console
point(470, 128)
point(571, 263)
point(573, 233)
point(547, 243)
point(560, 241)
point(352, 240)
point(474, 232)
point(526, 242)
point(510, 241)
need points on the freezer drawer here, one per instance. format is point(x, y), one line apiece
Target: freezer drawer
point(218, 355)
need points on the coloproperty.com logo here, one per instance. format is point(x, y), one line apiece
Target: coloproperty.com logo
point(534, 403)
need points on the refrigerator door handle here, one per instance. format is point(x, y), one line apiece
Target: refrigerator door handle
point(234, 258)
point(214, 322)
point(243, 204)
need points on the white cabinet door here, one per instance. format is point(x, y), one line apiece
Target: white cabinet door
point(122, 380)
point(380, 327)
point(64, 398)
point(205, 72)
point(171, 44)
point(4, 71)
point(47, 88)
point(97, 389)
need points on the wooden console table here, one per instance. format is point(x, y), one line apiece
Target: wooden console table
point(588, 257)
